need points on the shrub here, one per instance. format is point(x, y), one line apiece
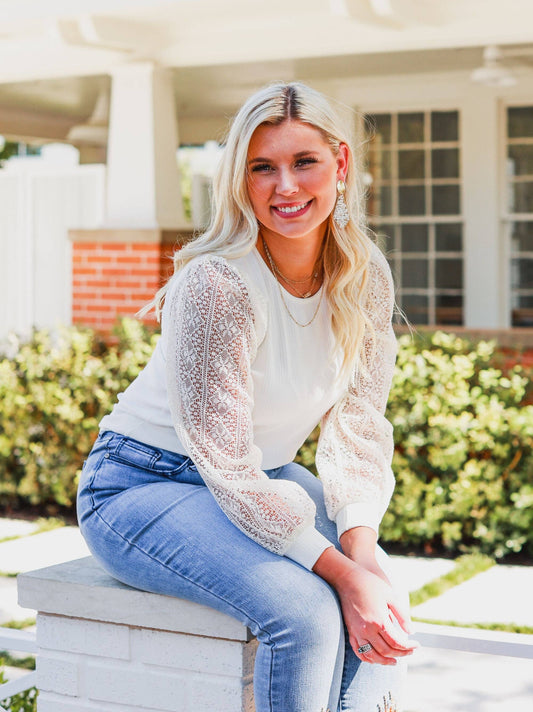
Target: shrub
point(464, 449)
point(53, 392)
point(463, 432)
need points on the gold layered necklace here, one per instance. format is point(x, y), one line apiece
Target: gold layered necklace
point(278, 274)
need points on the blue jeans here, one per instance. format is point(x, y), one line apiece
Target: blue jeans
point(151, 522)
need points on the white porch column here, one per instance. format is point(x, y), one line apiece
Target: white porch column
point(485, 265)
point(143, 188)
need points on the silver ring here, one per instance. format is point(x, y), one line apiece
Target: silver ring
point(366, 648)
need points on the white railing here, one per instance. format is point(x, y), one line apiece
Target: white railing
point(474, 640)
point(24, 642)
point(470, 640)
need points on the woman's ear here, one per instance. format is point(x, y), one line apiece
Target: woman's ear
point(342, 161)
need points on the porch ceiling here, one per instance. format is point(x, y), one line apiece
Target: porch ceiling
point(55, 57)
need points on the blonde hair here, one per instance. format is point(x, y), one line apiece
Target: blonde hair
point(233, 230)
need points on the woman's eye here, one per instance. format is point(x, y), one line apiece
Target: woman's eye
point(302, 162)
point(262, 168)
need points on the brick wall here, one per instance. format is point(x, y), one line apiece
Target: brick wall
point(117, 272)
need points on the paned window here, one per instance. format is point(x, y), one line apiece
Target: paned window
point(520, 211)
point(414, 206)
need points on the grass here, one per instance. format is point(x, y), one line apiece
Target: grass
point(20, 625)
point(465, 568)
point(26, 663)
point(43, 524)
point(503, 627)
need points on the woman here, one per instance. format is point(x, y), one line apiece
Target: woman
point(276, 318)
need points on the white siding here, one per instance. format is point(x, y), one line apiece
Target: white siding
point(38, 206)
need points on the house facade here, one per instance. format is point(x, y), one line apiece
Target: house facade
point(442, 95)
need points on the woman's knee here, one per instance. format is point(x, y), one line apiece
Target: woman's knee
point(311, 615)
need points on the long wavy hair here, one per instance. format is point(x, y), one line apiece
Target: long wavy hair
point(233, 230)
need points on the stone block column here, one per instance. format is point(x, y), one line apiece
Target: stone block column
point(106, 647)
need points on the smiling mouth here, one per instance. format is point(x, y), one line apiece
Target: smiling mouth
point(291, 210)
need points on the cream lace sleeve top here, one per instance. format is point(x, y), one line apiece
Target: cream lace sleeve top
point(237, 386)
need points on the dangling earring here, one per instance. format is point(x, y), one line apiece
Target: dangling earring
point(341, 214)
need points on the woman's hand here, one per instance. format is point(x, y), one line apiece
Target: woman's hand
point(369, 606)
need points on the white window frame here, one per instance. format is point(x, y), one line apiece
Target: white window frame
point(395, 220)
point(508, 217)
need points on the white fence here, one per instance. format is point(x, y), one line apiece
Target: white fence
point(38, 205)
point(19, 641)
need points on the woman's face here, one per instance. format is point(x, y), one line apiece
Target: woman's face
point(291, 177)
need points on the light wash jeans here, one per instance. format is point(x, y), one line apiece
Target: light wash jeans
point(151, 522)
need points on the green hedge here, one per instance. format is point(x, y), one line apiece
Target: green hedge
point(53, 392)
point(463, 432)
point(464, 449)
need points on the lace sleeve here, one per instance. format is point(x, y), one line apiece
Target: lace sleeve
point(356, 445)
point(211, 343)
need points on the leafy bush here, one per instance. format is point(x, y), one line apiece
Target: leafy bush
point(463, 432)
point(53, 392)
point(23, 702)
point(464, 449)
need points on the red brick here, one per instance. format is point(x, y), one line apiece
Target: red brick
point(99, 259)
point(129, 260)
point(115, 246)
point(78, 271)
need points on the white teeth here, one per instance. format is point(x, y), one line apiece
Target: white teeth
point(292, 208)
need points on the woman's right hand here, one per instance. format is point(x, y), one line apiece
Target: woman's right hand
point(370, 609)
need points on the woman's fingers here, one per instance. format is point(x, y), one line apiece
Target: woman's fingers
point(397, 640)
point(374, 656)
point(401, 615)
point(372, 615)
point(384, 648)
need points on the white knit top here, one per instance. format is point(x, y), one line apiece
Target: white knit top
point(237, 386)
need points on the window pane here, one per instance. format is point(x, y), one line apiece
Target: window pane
point(522, 237)
point(448, 274)
point(445, 200)
point(521, 198)
point(411, 164)
point(382, 124)
point(380, 164)
point(411, 128)
point(414, 273)
point(383, 201)
point(416, 308)
point(522, 273)
point(520, 121)
point(444, 126)
point(412, 200)
point(449, 309)
point(445, 163)
point(449, 237)
point(414, 238)
point(522, 314)
point(384, 166)
point(520, 160)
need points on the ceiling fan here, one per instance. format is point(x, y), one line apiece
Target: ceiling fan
point(498, 64)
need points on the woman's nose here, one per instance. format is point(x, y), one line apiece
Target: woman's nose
point(287, 183)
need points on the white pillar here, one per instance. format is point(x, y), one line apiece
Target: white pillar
point(143, 189)
point(485, 264)
point(108, 647)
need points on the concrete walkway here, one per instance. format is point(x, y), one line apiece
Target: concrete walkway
point(439, 680)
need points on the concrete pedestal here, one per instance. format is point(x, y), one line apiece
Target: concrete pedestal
point(106, 647)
